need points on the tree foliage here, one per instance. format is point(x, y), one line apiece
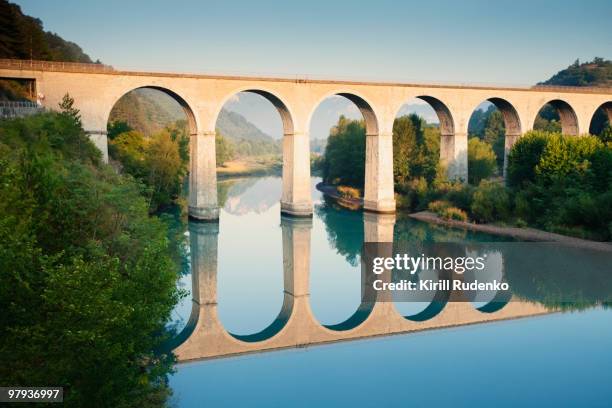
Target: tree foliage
point(224, 149)
point(482, 161)
point(416, 148)
point(345, 154)
point(88, 280)
point(159, 163)
point(563, 183)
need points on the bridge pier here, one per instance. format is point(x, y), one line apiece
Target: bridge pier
point(296, 197)
point(454, 155)
point(378, 189)
point(203, 177)
point(99, 138)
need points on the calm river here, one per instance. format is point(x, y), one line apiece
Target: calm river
point(251, 266)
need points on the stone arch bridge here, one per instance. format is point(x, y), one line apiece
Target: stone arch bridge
point(96, 89)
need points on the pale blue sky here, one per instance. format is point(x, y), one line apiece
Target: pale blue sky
point(518, 42)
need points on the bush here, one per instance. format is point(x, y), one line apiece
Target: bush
point(524, 157)
point(349, 192)
point(454, 213)
point(482, 160)
point(460, 195)
point(491, 202)
point(438, 206)
point(345, 154)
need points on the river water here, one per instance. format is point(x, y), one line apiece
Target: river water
point(242, 350)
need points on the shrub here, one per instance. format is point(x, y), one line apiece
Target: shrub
point(454, 213)
point(566, 158)
point(349, 192)
point(491, 202)
point(438, 206)
point(482, 161)
point(460, 195)
point(525, 156)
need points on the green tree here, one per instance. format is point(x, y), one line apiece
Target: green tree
point(563, 183)
point(494, 135)
point(345, 154)
point(224, 149)
point(67, 108)
point(117, 127)
point(88, 280)
point(481, 161)
point(606, 134)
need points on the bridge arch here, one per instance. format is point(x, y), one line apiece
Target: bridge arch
point(270, 96)
point(453, 155)
point(567, 116)
point(512, 121)
point(602, 114)
point(192, 121)
point(512, 128)
point(447, 123)
point(378, 178)
point(364, 106)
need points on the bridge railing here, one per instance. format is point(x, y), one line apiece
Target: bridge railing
point(53, 65)
point(18, 104)
point(94, 68)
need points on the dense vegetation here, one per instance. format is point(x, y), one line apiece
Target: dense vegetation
point(160, 161)
point(591, 73)
point(555, 182)
point(23, 37)
point(88, 277)
point(344, 161)
point(563, 183)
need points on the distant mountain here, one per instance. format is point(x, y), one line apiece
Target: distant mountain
point(146, 110)
point(234, 125)
point(594, 73)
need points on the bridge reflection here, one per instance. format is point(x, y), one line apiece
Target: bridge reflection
point(295, 326)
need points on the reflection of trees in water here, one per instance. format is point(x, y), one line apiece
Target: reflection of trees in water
point(559, 276)
point(178, 241)
point(344, 229)
point(409, 230)
point(233, 188)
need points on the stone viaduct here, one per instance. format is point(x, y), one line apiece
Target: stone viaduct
point(96, 88)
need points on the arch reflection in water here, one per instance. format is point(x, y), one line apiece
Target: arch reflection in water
point(296, 267)
point(376, 228)
point(295, 326)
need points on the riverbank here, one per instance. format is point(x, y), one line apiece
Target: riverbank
point(523, 234)
point(250, 166)
point(331, 191)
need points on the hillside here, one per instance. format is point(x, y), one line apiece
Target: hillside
point(594, 73)
point(22, 36)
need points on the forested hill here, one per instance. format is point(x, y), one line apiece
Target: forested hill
point(593, 73)
point(23, 37)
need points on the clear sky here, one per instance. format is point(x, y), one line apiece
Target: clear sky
point(508, 43)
